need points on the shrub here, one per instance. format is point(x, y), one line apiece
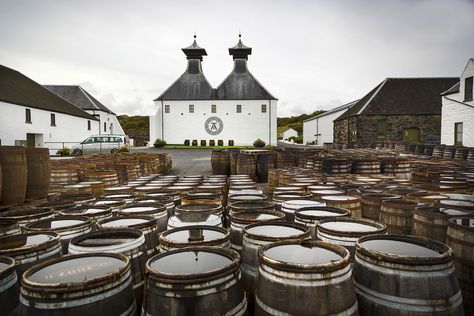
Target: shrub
point(124, 149)
point(159, 143)
point(259, 143)
point(66, 151)
point(212, 142)
point(297, 139)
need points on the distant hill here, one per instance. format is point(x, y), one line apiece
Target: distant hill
point(294, 122)
point(136, 127)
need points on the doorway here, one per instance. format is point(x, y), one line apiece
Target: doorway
point(411, 135)
point(34, 140)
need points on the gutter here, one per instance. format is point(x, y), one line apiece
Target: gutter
point(458, 101)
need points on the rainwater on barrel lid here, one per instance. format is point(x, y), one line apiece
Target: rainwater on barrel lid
point(138, 209)
point(402, 246)
point(124, 222)
point(282, 229)
point(304, 253)
point(255, 215)
point(59, 222)
point(76, 269)
point(350, 225)
point(190, 261)
point(5, 263)
point(183, 235)
point(23, 241)
point(454, 212)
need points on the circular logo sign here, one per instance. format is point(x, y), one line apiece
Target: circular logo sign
point(213, 125)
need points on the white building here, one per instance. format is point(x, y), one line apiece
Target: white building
point(320, 129)
point(109, 123)
point(33, 116)
point(457, 115)
point(289, 133)
point(239, 110)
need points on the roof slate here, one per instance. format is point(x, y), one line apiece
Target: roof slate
point(79, 97)
point(18, 89)
point(403, 96)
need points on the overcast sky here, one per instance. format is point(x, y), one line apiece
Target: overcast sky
point(309, 54)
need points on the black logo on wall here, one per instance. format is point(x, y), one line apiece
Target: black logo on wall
point(213, 125)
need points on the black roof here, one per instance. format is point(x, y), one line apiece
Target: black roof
point(402, 96)
point(18, 89)
point(79, 97)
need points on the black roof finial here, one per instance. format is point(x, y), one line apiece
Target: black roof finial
point(194, 51)
point(240, 51)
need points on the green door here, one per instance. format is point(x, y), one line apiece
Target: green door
point(411, 135)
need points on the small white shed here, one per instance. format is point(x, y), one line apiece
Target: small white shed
point(289, 133)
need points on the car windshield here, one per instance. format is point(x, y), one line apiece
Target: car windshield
point(88, 140)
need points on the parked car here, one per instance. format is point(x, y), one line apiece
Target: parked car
point(101, 143)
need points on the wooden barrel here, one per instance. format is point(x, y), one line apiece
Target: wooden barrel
point(260, 234)
point(366, 166)
point(30, 248)
point(97, 187)
point(305, 278)
point(311, 216)
point(397, 214)
point(405, 275)
point(94, 284)
point(220, 161)
point(126, 241)
point(67, 227)
point(190, 219)
point(280, 198)
point(161, 198)
point(201, 198)
point(462, 204)
point(334, 166)
point(397, 167)
point(108, 177)
point(233, 155)
point(432, 221)
point(118, 190)
point(317, 195)
point(199, 208)
point(14, 174)
point(264, 163)
point(206, 281)
point(426, 197)
point(371, 204)
point(56, 206)
point(26, 215)
point(242, 218)
point(191, 236)
point(9, 227)
point(9, 287)
point(94, 213)
point(158, 211)
point(289, 207)
point(246, 164)
point(460, 237)
point(39, 172)
point(346, 231)
point(351, 203)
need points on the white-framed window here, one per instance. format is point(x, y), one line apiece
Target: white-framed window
point(264, 108)
point(167, 108)
point(191, 108)
point(239, 108)
point(213, 108)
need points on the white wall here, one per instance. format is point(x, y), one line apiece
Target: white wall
point(110, 119)
point(289, 133)
point(68, 128)
point(454, 112)
point(244, 128)
point(322, 125)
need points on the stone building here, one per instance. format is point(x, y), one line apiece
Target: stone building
point(240, 109)
point(398, 109)
point(457, 118)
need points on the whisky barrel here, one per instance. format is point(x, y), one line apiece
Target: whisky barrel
point(405, 275)
point(260, 234)
point(191, 236)
point(317, 195)
point(371, 204)
point(462, 204)
point(67, 227)
point(87, 284)
point(264, 163)
point(147, 224)
point(201, 198)
point(118, 190)
point(189, 219)
point(25, 215)
point(126, 241)
point(9, 227)
point(335, 166)
point(346, 231)
point(312, 215)
point(39, 172)
point(94, 213)
point(194, 281)
point(97, 187)
point(56, 205)
point(366, 166)
point(29, 249)
point(158, 211)
point(305, 278)
point(432, 221)
point(397, 214)
point(246, 164)
point(242, 218)
point(460, 237)
point(351, 203)
point(9, 287)
point(397, 167)
point(14, 174)
point(426, 197)
point(289, 207)
point(220, 161)
point(161, 198)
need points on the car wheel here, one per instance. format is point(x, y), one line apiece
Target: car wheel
point(77, 152)
point(113, 151)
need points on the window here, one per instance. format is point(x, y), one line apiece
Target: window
point(382, 128)
point(213, 108)
point(88, 125)
point(53, 119)
point(468, 83)
point(105, 126)
point(167, 108)
point(458, 134)
point(264, 108)
point(191, 108)
point(239, 108)
point(27, 116)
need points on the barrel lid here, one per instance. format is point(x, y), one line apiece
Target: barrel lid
point(138, 209)
point(26, 241)
point(8, 224)
point(327, 192)
point(109, 202)
point(205, 208)
point(252, 205)
point(77, 186)
point(297, 204)
point(403, 249)
point(119, 188)
point(59, 223)
point(186, 219)
point(107, 240)
point(127, 221)
point(118, 196)
point(351, 227)
point(458, 203)
point(194, 234)
point(272, 230)
point(441, 211)
point(320, 212)
point(76, 271)
point(250, 216)
point(305, 256)
point(340, 198)
point(7, 265)
point(247, 197)
point(465, 197)
point(462, 223)
point(379, 196)
point(25, 213)
point(193, 262)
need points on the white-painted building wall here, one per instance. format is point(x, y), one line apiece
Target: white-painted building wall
point(69, 129)
point(456, 110)
point(112, 124)
point(323, 125)
point(289, 133)
point(243, 128)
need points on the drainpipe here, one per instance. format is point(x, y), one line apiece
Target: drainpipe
point(270, 122)
point(162, 122)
